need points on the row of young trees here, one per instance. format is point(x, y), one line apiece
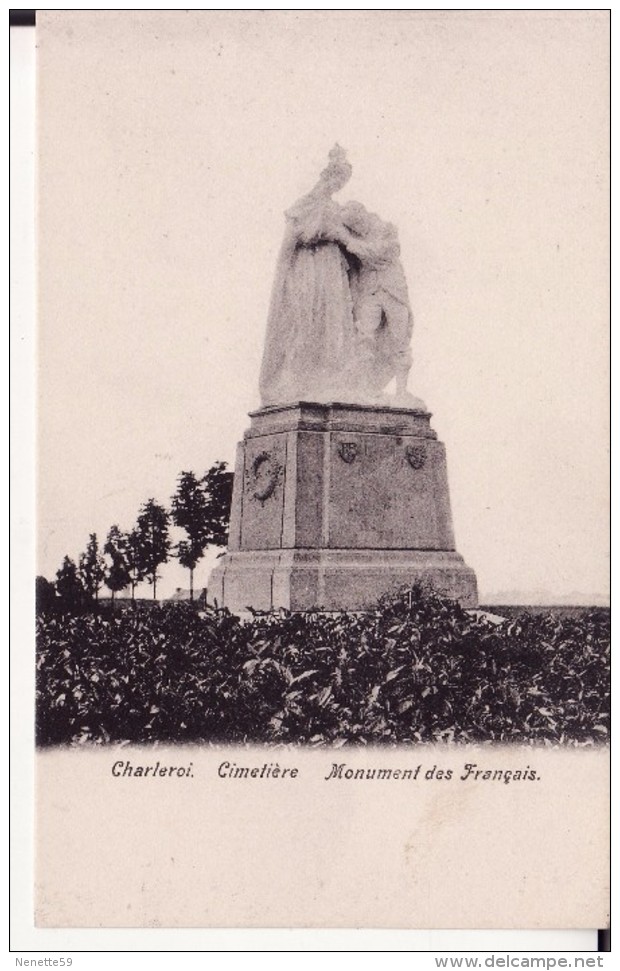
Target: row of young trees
point(200, 506)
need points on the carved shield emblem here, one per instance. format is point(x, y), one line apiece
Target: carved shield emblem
point(348, 451)
point(416, 456)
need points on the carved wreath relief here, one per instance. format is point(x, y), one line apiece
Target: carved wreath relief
point(263, 476)
point(416, 456)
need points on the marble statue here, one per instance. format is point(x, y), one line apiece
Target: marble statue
point(382, 315)
point(339, 324)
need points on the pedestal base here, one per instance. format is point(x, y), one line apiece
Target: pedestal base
point(335, 505)
point(305, 579)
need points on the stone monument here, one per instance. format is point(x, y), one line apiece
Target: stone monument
point(341, 490)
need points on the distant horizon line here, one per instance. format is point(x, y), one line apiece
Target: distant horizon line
point(504, 599)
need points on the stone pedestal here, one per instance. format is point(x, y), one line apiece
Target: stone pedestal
point(335, 505)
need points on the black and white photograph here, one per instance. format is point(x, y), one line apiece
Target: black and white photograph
point(322, 575)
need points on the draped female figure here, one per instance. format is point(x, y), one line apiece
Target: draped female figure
point(339, 322)
point(310, 328)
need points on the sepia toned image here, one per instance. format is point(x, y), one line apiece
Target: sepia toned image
point(322, 591)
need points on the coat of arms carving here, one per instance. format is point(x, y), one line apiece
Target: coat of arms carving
point(348, 451)
point(416, 456)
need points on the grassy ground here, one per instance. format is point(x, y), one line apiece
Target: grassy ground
point(538, 610)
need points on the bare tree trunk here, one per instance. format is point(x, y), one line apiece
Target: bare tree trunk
point(191, 584)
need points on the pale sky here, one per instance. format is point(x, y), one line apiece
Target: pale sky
point(170, 144)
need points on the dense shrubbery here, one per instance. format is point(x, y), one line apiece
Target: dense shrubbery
point(417, 669)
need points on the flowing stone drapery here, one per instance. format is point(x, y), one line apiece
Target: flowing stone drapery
point(339, 322)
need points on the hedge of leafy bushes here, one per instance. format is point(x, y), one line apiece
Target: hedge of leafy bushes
point(419, 668)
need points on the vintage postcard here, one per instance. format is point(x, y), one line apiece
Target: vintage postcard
point(322, 591)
